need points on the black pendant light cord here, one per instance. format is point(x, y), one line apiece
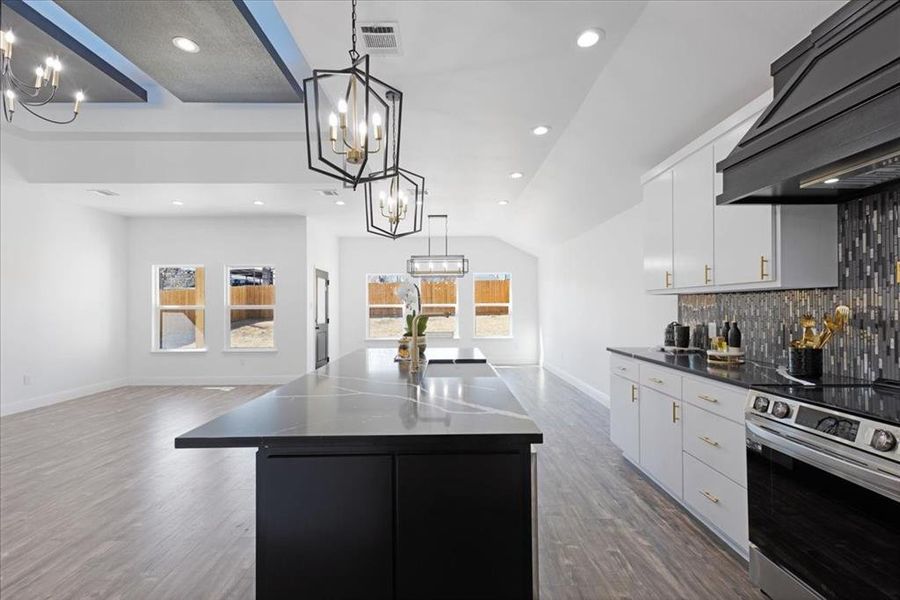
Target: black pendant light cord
point(354, 55)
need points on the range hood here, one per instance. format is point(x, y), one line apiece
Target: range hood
point(832, 131)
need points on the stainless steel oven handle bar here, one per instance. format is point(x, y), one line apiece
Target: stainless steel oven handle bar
point(871, 472)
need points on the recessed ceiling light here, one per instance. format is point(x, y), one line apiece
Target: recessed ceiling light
point(515, 175)
point(183, 43)
point(540, 130)
point(339, 202)
point(832, 180)
point(258, 202)
point(589, 37)
point(503, 202)
point(177, 202)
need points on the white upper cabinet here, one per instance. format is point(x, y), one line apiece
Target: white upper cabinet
point(710, 248)
point(693, 219)
point(658, 232)
point(744, 234)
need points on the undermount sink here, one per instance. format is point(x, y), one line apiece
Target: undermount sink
point(459, 370)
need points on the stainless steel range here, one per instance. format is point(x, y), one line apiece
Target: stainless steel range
point(823, 479)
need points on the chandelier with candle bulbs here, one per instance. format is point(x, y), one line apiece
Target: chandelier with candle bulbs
point(352, 121)
point(16, 92)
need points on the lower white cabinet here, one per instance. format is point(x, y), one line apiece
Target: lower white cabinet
point(624, 423)
point(719, 500)
point(687, 433)
point(660, 438)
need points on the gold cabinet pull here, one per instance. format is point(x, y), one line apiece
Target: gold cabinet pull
point(763, 261)
point(710, 497)
point(657, 380)
point(674, 415)
point(897, 272)
point(668, 279)
point(706, 270)
point(707, 398)
point(709, 441)
point(622, 368)
point(633, 392)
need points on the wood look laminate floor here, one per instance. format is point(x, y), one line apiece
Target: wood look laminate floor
point(96, 503)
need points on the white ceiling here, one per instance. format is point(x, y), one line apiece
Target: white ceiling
point(476, 76)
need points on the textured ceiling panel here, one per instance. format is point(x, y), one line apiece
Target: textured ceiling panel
point(37, 38)
point(236, 62)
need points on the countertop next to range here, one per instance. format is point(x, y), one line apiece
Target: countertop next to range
point(365, 397)
point(750, 374)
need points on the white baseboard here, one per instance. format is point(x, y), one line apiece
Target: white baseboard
point(60, 396)
point(216, 380)
point(601, 397)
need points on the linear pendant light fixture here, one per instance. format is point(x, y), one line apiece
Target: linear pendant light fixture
point(352, 121)
point(437, 265)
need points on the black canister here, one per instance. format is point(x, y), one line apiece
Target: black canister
point(682, 336)
point(805, 362)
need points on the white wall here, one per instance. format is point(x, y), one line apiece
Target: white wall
point(62, 294)
point(323, 252)
point(592, 297)
point(362, 256)
point(215, 243)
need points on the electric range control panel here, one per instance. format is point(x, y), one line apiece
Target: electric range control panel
point(865, 434)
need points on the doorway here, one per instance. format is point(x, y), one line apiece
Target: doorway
point(322, 319)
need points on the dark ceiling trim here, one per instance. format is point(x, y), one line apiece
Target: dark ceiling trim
point(73, 45)
point(241, 5)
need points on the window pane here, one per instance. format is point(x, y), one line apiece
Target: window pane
point(181, 286)
point(438, 291)
point(382, 289)
point(252, 286)
point(492, 321)
point(252, 328)
point(441, 319)
point(180, 329)
point(386, 322)
point(492, 288)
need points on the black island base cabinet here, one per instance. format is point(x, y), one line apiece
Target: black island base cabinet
point(372, 482)
point(394, 524)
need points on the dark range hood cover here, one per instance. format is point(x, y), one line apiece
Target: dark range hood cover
point(835, 116)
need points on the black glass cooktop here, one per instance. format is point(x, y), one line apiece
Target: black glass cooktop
point(879, 401)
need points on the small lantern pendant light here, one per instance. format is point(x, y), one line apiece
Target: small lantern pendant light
point(349, 124)
point(437, 265)
point(393, 197)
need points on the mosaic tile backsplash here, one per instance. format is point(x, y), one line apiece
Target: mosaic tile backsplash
point(868, 248)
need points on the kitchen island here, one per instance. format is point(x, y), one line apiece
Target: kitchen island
point(376, 483)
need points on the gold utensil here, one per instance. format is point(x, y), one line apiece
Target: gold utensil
point(808, 323)
point(841, 317)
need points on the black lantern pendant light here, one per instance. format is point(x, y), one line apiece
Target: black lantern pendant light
point(352, 121)
point(437, 265)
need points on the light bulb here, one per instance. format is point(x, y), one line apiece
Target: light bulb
point(9, 37)
point(376, 119)
point(362, 131)
point(57, 66)
point(342, 106)
point(39, 71)
point(79, 96)
point(382, 195)
point(49, 63)
point(332, 120)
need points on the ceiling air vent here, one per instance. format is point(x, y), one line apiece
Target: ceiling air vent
point(381, 38)
point(104, 192)
point(329, 193)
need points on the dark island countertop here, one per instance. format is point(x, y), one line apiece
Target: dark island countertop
point(365, 397)
point(750, 374)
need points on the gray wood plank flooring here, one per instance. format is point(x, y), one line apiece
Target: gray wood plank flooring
point(96, 503)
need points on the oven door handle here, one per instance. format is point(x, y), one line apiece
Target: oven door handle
point(807, 448)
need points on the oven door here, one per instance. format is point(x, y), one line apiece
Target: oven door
point(827, 514)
